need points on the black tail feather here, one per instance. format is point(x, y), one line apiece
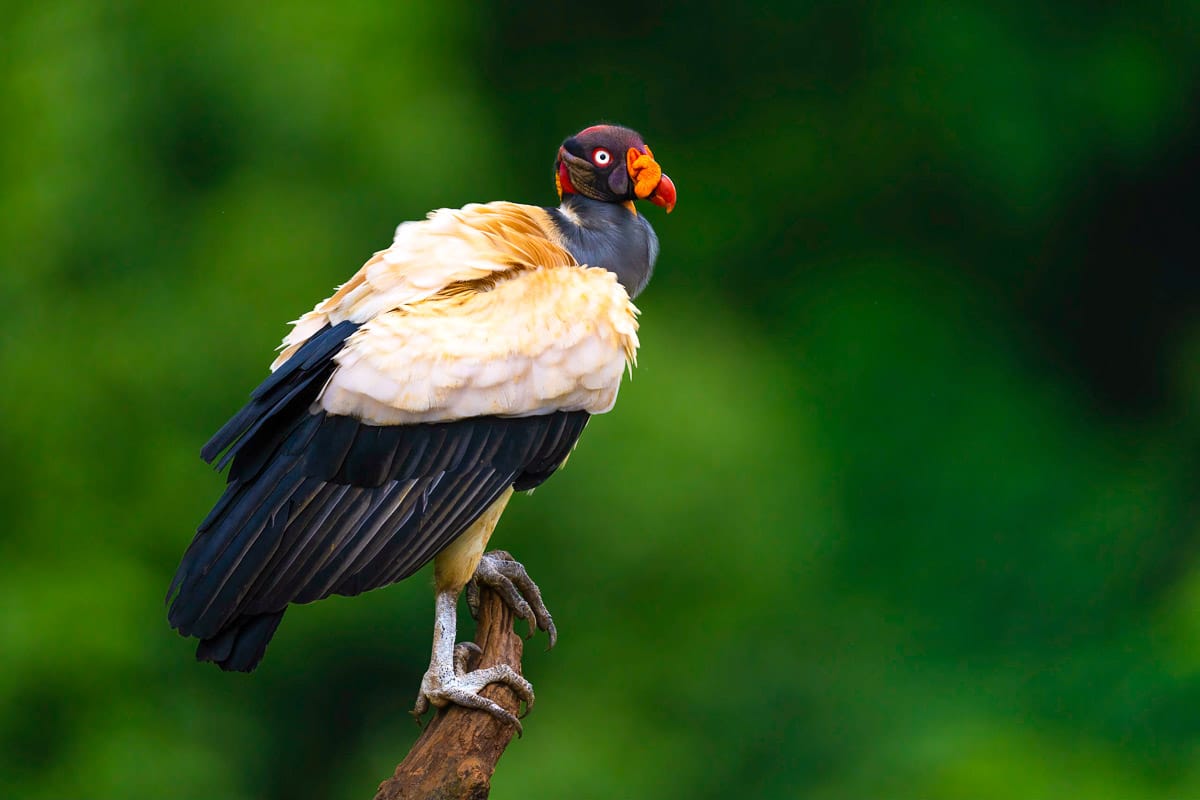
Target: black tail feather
point(242, 644)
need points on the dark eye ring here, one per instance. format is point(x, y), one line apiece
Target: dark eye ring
point(601, 157)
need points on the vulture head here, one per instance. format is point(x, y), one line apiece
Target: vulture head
point(612, 164)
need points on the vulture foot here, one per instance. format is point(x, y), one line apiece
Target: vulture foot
point(504, 575)
point(440, 688)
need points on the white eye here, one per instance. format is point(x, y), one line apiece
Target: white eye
point(601, 157)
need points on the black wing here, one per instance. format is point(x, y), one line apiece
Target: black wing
point(318, 504)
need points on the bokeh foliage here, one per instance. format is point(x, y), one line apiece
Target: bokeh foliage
point(901, 502)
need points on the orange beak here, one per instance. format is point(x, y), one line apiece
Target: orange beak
point(649, 182)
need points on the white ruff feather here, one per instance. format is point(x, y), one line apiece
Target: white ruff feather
point(540, 341)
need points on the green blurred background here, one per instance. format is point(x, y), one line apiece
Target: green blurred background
point(901, 502)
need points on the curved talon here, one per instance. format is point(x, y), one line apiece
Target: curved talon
point(419, 708)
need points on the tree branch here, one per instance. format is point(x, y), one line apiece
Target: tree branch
point(456, 755)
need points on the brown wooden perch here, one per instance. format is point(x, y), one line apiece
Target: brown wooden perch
point(456, 755)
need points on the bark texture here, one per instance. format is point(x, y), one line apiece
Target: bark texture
point(455, 757)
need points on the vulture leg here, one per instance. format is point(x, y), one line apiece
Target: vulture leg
point(507, 577)
point(447, 680)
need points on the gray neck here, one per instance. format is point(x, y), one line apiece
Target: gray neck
point(607, 235)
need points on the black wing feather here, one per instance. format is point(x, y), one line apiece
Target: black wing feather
point(562, 432)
